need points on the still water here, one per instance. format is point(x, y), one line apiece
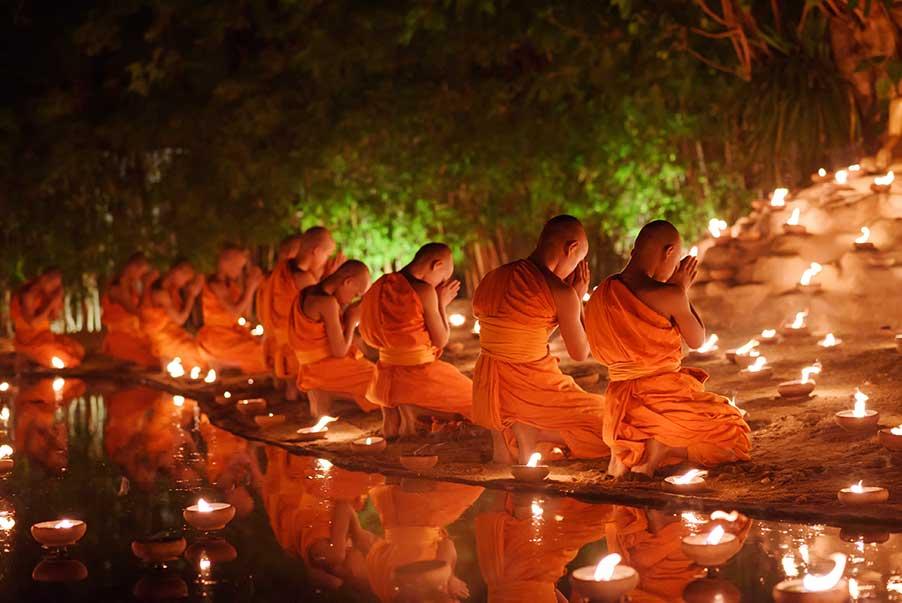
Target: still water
point(128, 461)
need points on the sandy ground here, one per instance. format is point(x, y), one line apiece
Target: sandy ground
point(800, 456)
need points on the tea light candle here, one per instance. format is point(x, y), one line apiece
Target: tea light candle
point(891, 439)
point(708, 349)
point(821, 175)
point(792, 225)
point(863, 242)
point(4, 387)
point(758, 370)
point(457, 320)
point(690, 482)
point(210, 377)
point(857, 494)
point(194, 375)
point(57, 363)
point(812, 588)
point(320, 427)
point(208, 517)
point(269, 420)
point(841, 177)
point(778, 197)
point(63, 532)
point(607, 581)
point(806, 281)
point(859, 418)
point(532, 471)
point(799, 325)
point(744, 354)
point(369, 445)
point(175, 368)
point(829, 341)
point(800, 388)
point(883, 184)
point(712, 549)
point(768, 336)
point(257, 331)
point(6, 459)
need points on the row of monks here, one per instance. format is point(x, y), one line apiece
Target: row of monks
point(655, 412)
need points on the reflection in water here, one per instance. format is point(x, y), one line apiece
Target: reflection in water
point(129, 462)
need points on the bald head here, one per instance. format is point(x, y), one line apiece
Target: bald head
point(315, 237)
point(135, 266)
point(562, 245)
point(432, 251)
point(350, 281)
point(433, 264)
point(290, 246)
point(232, 260)
point(317, 246)
point(657, 249)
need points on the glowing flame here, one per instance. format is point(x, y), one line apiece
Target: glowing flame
point(758, 365)
point(829, 341)
point(841, 176)
point(769, 333)
point(689, 476)
point(789, 566)
point(693, 252)
point(195, 373)
point(203, 506)
point(7, 522)
point(457, 320)
point(604, 571)
point(586, 297)
point(865, 235)
point(897, 430)
point(747, 347)
point(730, 517)
point(242, 321)
point(814, 369)
point(58, 384)
point(178, 400)
point(534, 459)
point(803, 551)
point(4, 386)
point(6, 451)
point(257, 331)
point(56, 363)
point(476, 328)
point(204, 564)
point(821, 172)
point(65, 524)
point(799, 321)
point(321, 424)
point(716, 227)
point(794, 217)
point(211, 376)
point(854, 168)
point(885, 180)
point(693, 518)
point(323, 464)
point(861, 400)
point(854, 591)
point(175, 368)
point(809, 274)
point(369, 441)
point(226, 394)
point(715, 535)
point(709, 345)
point(4, 414)
point(778, 198)
point(815, 583)
point(857, 488)
point(536, 508)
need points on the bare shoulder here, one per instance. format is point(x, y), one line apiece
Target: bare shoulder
point(424, 291)
point(665, 298)
point(318, 304)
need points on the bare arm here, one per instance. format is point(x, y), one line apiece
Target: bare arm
point(434, 314)
point(570, 319)
point(339, 329)
point(177, 315)
point(120, 295)
point(681, 311)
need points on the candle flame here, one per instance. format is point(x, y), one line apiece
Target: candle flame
point(257, 331)
point(758, 365)
point(203, 506)
point(897, 430)
point(242, 321)
point(6, 451)
point(204, 564)
point(769, 333)
point(814, 369)
point(227, 394)
point(178, 400)
point(369, 441)
point(885, 180)
point(7, 522)
point(65, 524)
point(693, 251)
point(810, 273)
point(211, 376)
point(321, 424)
point(778, 198)
point(323, 464)
point(789, 566)
point(58, 384)
point(536, 508)
point(794, 217)
point(604, 571)
point(857, 488)
point(715, 535)
point(854, 591)
point(534, 459)
point(747, 347)
point(821, 172)
point(476, 328)
point(799, 321)
point(4, 414)
point(195, 373)
point(854, 167)
point(693, 518)
point(586, 297)
point(841, 176)
point(175, 368)
point(709, 345)
point(861, 400)
point(4, 386)
point(730, 517)
point(828, 341)
point(716, 227)
point(56, 363)
point(457, 320)
point(865, 235)
point(815, 583)
point(689, 476)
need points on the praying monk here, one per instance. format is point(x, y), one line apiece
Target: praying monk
point(519, 392)
point(657, 412)
point(123, 337)
point(33, 307)
point(321, 333)
point(404, 316)
point(165, 307)
point(227, 297)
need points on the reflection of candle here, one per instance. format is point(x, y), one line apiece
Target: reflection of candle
point(207, 516)
point(858, 494)
point(826, 588)
point(691, 481)
point(211, 376)
point(56, 363)
point(606, 581)
point(58, 384)
point(457, 320)
point(175, 368)
point(778, 198)
point(59, 533)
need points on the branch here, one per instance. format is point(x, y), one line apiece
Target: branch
point(711, 13)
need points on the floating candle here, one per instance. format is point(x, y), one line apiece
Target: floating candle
point(607, 581)
point(829, 341)
point(369, 445)
point(208, 517)
point(813, 270)
point(6, 458)
point(859, 418)
point(778, 197)
point(712, 549)
point(858, 494)
point(813, 588)
point(56, 363)
point(689, 482)
point(531, 471)
point(457, 320)
point(63, 532)
point(319, 427)
point(883, 184)
point(175, 368)
point(210, 377)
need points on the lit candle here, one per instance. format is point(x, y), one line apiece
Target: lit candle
point(207, 517)
point(693, 251)
point(712, 549)
point(708, 348)
point(813, 270)
point(858, 494)
point(841, 176)
point(257, 331)
point(859, 418)
point(820, 175)
point(800, 388)
point(476, 328)
point(63, 532)
point(883, 184)
point(778, 197)
point(687, 483)
point(813, 588)
point(369, 445)
point(758, 369)
point(717, 228)
point(57, 386)
point(6, 458)
point(242, 321)
point(4, 386)
point(269, 420)
point(829, 341)
point(175, 368)
point(798, 326)
point(457, 320)
point(321, 426)
point(178, 401)
point(768, 336)
point(532, 471)
point(195, 373)
point(57, 363)
point(609, 580)
point(891, 439)
point(744, 354)
point(210, 377)
point(251, 405)
point(792, 225)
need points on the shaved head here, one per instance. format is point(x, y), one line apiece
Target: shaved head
point(658, 233)
point(432, 251)
point(657, 249)
point(433, 264)
point(350, 281)
point(562, 245)
point(317, 236)
point(561, 229)
point(351, 269)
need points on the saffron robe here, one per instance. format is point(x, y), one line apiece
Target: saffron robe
point(37, 342)
point(228, 344)
point(123, 337)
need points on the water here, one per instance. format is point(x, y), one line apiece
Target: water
point(127, 461)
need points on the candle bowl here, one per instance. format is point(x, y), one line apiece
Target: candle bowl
point(794, 229)
point(848, 421)
point(524, 473)
point(792, 591)
point(889, 440)
point(694, 486)
point(743, 360)
point(793, 390)
point(711, 590)
point(695, 355)
point(251, 406)
point(159, 549)
point(763, 375)
point(623, 581)
point(419, 462)
point(268, 421)
point(788, 331)
point(162, 587)
point(222, 400)
point(59, 570)
point(6, 465)
point(49, 535)
point(218, 517)
point(865, 535)
point(217, 550)
point(376, 445)
point(866, 247)
point(818, 179)
point(768, 340)
point(422, 577)
point(809, 288)
point(710, 555)
point(871, 495)
point(881, 188)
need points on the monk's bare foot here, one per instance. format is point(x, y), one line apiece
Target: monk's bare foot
point(500, 454)
point(408, 425)
point(320, 403)
point(391, 423)
point(616, 468)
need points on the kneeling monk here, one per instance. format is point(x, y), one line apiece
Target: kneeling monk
point(225, 300)
point(165, 307)
point(657, 412)
point(518, 390)
point(405, 318)
point(33, 306)
point(123, 338)
point(321, 333)
point(279, 285)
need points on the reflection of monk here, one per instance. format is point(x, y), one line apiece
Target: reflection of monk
point(231, 466)
point(33, 307)
point(227, 297)
point(655, 411)
point(166, 306)
point(39, 435)
point(404, 316)
point(123, 337)
point(524, 544)
point(518, 390)
point(414, 517)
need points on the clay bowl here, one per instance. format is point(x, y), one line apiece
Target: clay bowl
point(743, 360)
point(795, 389)
point(787, 331)
point(6, 465)
point(377, 444)
point(881, 188)
point(215, 519)
point(251, 406)
point(763, 375)
point(872, 495)
point(848, 421)
point(419, 462)
point(710, 555)
point(889, 440)
point(865, 246)
point(697, 485)
point(623, 581)
point(160, 549)
point(791, 591)
point(530, 474)
point(59, 570)
point(50, 536)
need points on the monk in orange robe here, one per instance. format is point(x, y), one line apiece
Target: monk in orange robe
point(519, 392)
point(524, 544)
point(231, 466)
point(39, 434)
point(274, 297)
point(123, 337)
point(414, 517)
point(657, 412)
point(33, 307)
point(165, 307)
point(321, 333)
point(404, 316)
point(226, 301)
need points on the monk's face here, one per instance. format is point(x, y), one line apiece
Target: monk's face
point(232, 263)
point(574, 252)
point(669, 260)
point(353, 287)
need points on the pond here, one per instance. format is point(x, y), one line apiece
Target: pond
point(127, 461)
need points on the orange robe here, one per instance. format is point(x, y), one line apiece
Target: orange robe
point(522, 559)
point(35, 341)
point(228, 344)
point(169, 340)
point(414, 525)
point(649, 395)
point(516, 379)
point(123, 337)
point(274, 304)
point(408, 371)
point(349, 375)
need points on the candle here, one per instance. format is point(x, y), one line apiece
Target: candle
point(257, 331)
point(778, 197)
point(242, 321)
point(841, 176)
point(269, 420)
point(369, 445)
point(859, 418)
point(607, 581)
point(792, 225)
point(712, 549)
point(693, 251)
point(690, 482)
point(178, 401)
point(744, 354)
point(854, 169)
point(708, 349)
point(768, 336)
point(821, 175)
point(419, 462)
point(195, 373)
point(175, 368)
point(883, 184)
point(251, 405)
point(813, 588)
point(211, 376)
point(798, 326)
point(858, 494)
point(56, 363)
point(800, 388)
point(59, 533)
point(829, 341)
point(319, 427)
point(208, 517)
point(891, 439)
point(6, 459)
point(863, 242)
point(813, 270)
point(4, 386)
point(476, 328)
point(758, 370)
point(532, 471)
point(717, 228)
point(457, 320)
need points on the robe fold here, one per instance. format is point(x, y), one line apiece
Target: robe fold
point(228, 344)
point(516, 379)
point(650, 396)
point(349, 375)
point(274, 303)
point(169, 340)
point(123, 337)
point(408, 371)
point(521, 559)
point(37, 342)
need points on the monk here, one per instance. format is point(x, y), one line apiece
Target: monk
point(123, 338)
point(321, 333)
point(656, 412)
point(227, 297)
point(165, 307)
point(519, 393)
point(33, 307)
point(404, 316)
